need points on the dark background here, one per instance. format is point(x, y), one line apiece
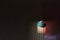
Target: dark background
point(18, 14)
